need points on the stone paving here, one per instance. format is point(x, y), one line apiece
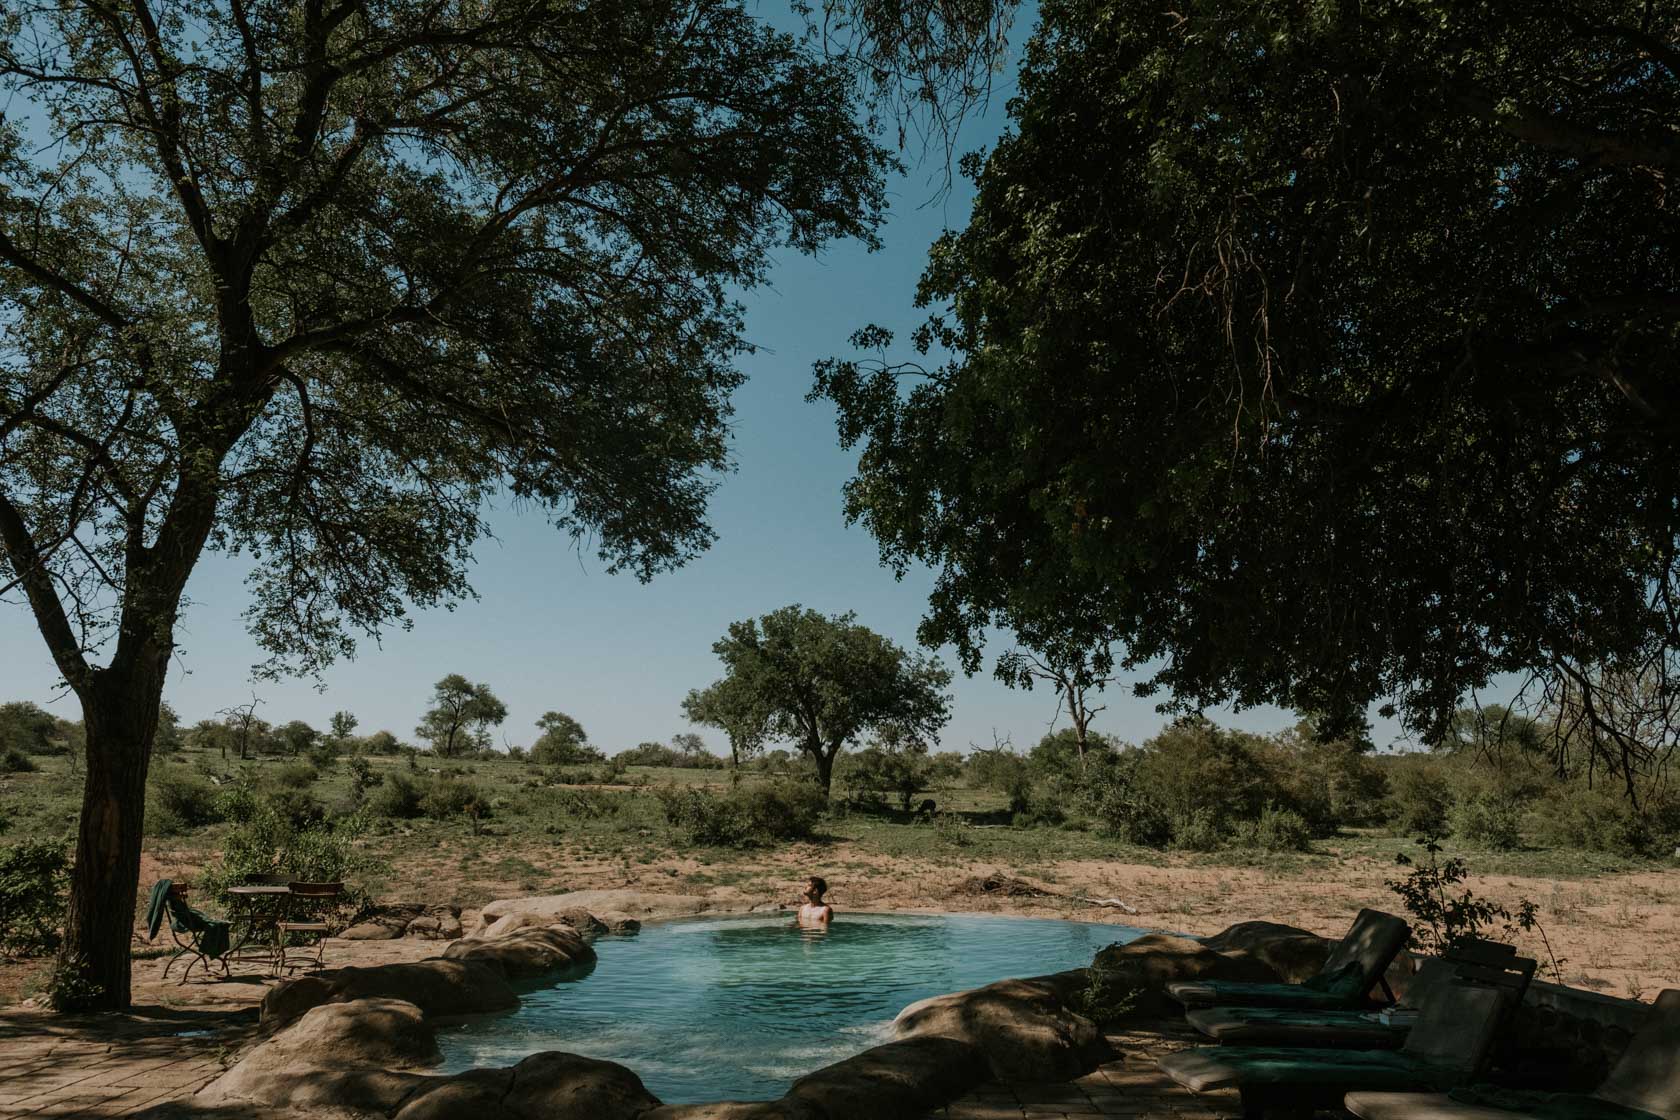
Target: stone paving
point(143, 1065)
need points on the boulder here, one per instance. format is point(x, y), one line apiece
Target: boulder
point(551, 1085)
point(1293, 954)
point(1155, 960)
point(581, 920)
point(438, 986)
point(619, 923)
point(350, 1055)
point(900, 1079)
point(1025, 1029)
point(528, 953)
point(634, 904)
point(371, 931)
point(511, 923)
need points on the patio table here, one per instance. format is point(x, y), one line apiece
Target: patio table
point(243, 908)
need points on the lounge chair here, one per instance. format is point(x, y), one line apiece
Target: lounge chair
point(1447, 1047)
point(196, 934)
point(1644, 1083)
point(1354, 967)
point(1473, 961)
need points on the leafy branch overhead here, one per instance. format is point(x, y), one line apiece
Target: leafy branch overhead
point(1314, 355)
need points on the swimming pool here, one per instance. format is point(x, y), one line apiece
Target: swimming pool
point(737, 1008)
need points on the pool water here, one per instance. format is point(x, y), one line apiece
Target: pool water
point(737, 1008)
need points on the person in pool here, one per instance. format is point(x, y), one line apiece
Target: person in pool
point(814, 913)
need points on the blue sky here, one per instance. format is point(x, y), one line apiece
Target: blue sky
point(551, 630)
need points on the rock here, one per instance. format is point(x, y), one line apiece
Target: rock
point(787, 1108)
point(371, 931)
point(438, 986)
point(511, 923)
point(1293, 954)
point(1025, 1029)
point(635, 904)
point(581, 920)
point(346, 1054)
point(620, 923)
point(424, 926)
point(449, 926)
point(528, 953)
point(552, 1085)
point(1155, 960)
point(900, 1079)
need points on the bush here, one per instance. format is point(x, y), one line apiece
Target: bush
point(398, 798)
point(744, 817)
point(1490, 818)
point(1004, 772)
point(317, 851)
point(1277, 830)
point(14, 761)
point(296, 775)
point(33, 877)
point(1597, 820)
point(362, 779)
point(1198, 831)
point(1121, 810)
point(296, 806)
point(323, 754)
point(1421, 798)
point(589, 804)
point(181, 802)
point(454, 797)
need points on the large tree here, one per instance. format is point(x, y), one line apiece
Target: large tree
point(310, 280)
point(737, 709)
point(460, 716)
point(822, 682)
point(1315, 353)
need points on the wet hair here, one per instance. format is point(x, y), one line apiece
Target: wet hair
point(818, 884)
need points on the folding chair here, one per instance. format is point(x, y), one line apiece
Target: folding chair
point(317, 892)
point(196, 934)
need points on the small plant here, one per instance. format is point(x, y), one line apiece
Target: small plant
point(1108, 993)
point(398, 798)
point(69, 990)
point(1491, 819)
point(296, 775)
point(953, 829)
point(362, 779)
point(1198, 831)
point(33, 877)
point(1278, 830)
point(1442, 913)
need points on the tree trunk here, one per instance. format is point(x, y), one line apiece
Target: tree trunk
point(120, 714)
point(825, 767)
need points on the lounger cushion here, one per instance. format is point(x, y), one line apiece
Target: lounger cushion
point(1213, 1067)
point(1279, 1026)
point(1352, 969)
point(1647, 1076)
point(1487, 1103)
point(1369, 1105)
point(1210, 993)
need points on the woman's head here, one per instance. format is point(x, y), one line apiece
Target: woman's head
point(815, 887)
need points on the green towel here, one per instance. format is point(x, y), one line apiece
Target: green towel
point(214, 935)
point(1345, 981)
point(156, 905)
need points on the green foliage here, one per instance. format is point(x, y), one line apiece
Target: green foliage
point(271, 842)
point(1276, 830)
point(1124, 809)
point(14, 761)
point(1421, 795)
point(899, 767)
point(1443, 910)
point(1316, 402)
point(746, 816)
point(25, 728)
point(822, 682)
point(658, 754)
point(447, 797)
point(1490, 818)
point(182, 801)
point(1109, 992)
point(1597, 820)
point(563, 742)
point(398, 798)
point(1199, 830)
point(1003, 771)
point(69, 989)
point(297, 774)
point(362, 779)
point(33, 876)
point(461, 715)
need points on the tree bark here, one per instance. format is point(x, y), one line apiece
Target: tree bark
point(120, 714)
point(825, 766)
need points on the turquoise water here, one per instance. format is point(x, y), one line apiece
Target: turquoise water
point(737, 1008)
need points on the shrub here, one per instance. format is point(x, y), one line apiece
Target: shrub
point(1597, 820)
point(1043, 810)
point(362, 779)
point(181, 802)
point(1120, 809)
point(1277, 830)
point(1004, 772)
point(271, 842)
point(14, 761)
point(33, 877)
point(296, 775)
point(398, 798)
point(1421, 798)
point(587, 803)
point(454, 797)
point(296, 806)
point(1198, 831)
point(1490, 818)
point(323, 754)
point(747, 816)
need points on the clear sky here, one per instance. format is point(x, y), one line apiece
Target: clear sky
point(551, 630)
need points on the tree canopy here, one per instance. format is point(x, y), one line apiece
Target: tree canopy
point(1315, 354)
point(824, 681)
point(563, 740)
point(461, 716)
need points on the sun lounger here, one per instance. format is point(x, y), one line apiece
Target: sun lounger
point(1446, 1048)
point(1354, 967)
point(1644, 1083)
point(1474, 961)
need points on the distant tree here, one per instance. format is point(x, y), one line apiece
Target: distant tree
point(382, 742)
point(249, 732)
point(296, 737)
point(169, 736)
point(1073, 671)
point(211, 735)
point(460, 717)
point(563, 741)
point(736, 709)
point(1061, 755)
point(26, 727)
point(826, 681)
point(893, 764)
point(342, 726)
